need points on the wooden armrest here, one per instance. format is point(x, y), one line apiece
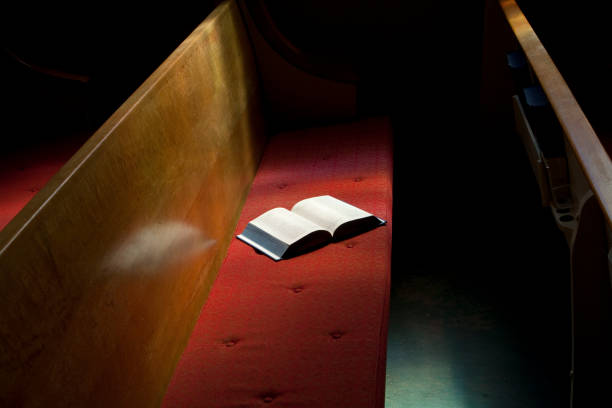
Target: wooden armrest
point(590, 153)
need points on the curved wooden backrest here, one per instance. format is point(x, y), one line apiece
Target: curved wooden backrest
point(591, 155)
point(103, 274)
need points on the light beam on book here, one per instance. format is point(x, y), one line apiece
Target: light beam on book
point(311, 223)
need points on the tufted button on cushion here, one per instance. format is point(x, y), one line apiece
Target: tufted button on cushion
point(336, 335)
point(298, 289)
point(358, 179)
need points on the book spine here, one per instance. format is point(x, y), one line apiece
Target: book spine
point(258, 247)
point(263, 242)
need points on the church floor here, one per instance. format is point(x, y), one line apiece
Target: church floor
point(449, 347)
point(479, 311)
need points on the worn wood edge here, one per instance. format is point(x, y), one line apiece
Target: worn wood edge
point(31, 210)
point(591, 155)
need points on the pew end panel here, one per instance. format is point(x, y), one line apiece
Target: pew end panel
point(578, 190)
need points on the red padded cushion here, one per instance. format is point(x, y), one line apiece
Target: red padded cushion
point(309, 331)
point(24, 173)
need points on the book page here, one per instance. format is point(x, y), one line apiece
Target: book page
point(328, 212)
point(284, 225)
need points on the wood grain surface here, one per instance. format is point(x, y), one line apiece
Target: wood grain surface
point(104, 272)
point(590, 153)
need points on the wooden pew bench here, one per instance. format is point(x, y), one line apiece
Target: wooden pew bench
point(309, 331)
point(103, 274)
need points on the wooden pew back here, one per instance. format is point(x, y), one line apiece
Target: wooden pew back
point(103, 274)
point(590, 153)
point(589, 173)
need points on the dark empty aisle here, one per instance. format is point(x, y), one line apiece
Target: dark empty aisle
point(480, 289)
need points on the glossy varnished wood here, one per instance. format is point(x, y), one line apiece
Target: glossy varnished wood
point(104, 272)
point(590, 153)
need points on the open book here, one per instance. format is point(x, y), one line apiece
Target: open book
point(311, 223)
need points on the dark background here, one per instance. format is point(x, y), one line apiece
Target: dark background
point(116, 47)
point(401, 50)
point(393, 46)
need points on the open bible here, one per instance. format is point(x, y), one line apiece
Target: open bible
point(311, 223)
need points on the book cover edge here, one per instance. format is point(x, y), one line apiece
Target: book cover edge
point(259, 247)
